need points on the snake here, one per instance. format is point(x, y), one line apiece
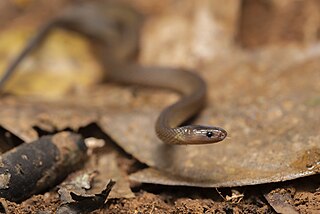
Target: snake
point(192, 87)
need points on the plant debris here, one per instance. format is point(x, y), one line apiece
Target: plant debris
point(86, 204)
point(33, 167)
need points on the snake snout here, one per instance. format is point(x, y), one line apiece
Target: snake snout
point(222, 134)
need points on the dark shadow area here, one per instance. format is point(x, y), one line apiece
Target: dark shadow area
point(8, 140)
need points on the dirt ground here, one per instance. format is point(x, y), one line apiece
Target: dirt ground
point(267, 50)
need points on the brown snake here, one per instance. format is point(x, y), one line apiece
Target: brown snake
point(96, 24)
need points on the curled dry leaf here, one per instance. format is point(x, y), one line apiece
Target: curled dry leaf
point(273, 128)
point(262, 111)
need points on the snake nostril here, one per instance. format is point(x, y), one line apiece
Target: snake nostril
point(222, 135)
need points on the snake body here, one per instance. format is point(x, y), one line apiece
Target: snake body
point(193, 90)
point(188, 84)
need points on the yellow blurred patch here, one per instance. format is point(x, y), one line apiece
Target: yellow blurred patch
point(62, 63)
point(22, 3)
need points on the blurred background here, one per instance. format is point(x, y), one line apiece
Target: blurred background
point(189, 34)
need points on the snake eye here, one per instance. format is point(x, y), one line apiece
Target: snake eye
point(209, 134)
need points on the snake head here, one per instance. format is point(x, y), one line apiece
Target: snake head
point(198, 134)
